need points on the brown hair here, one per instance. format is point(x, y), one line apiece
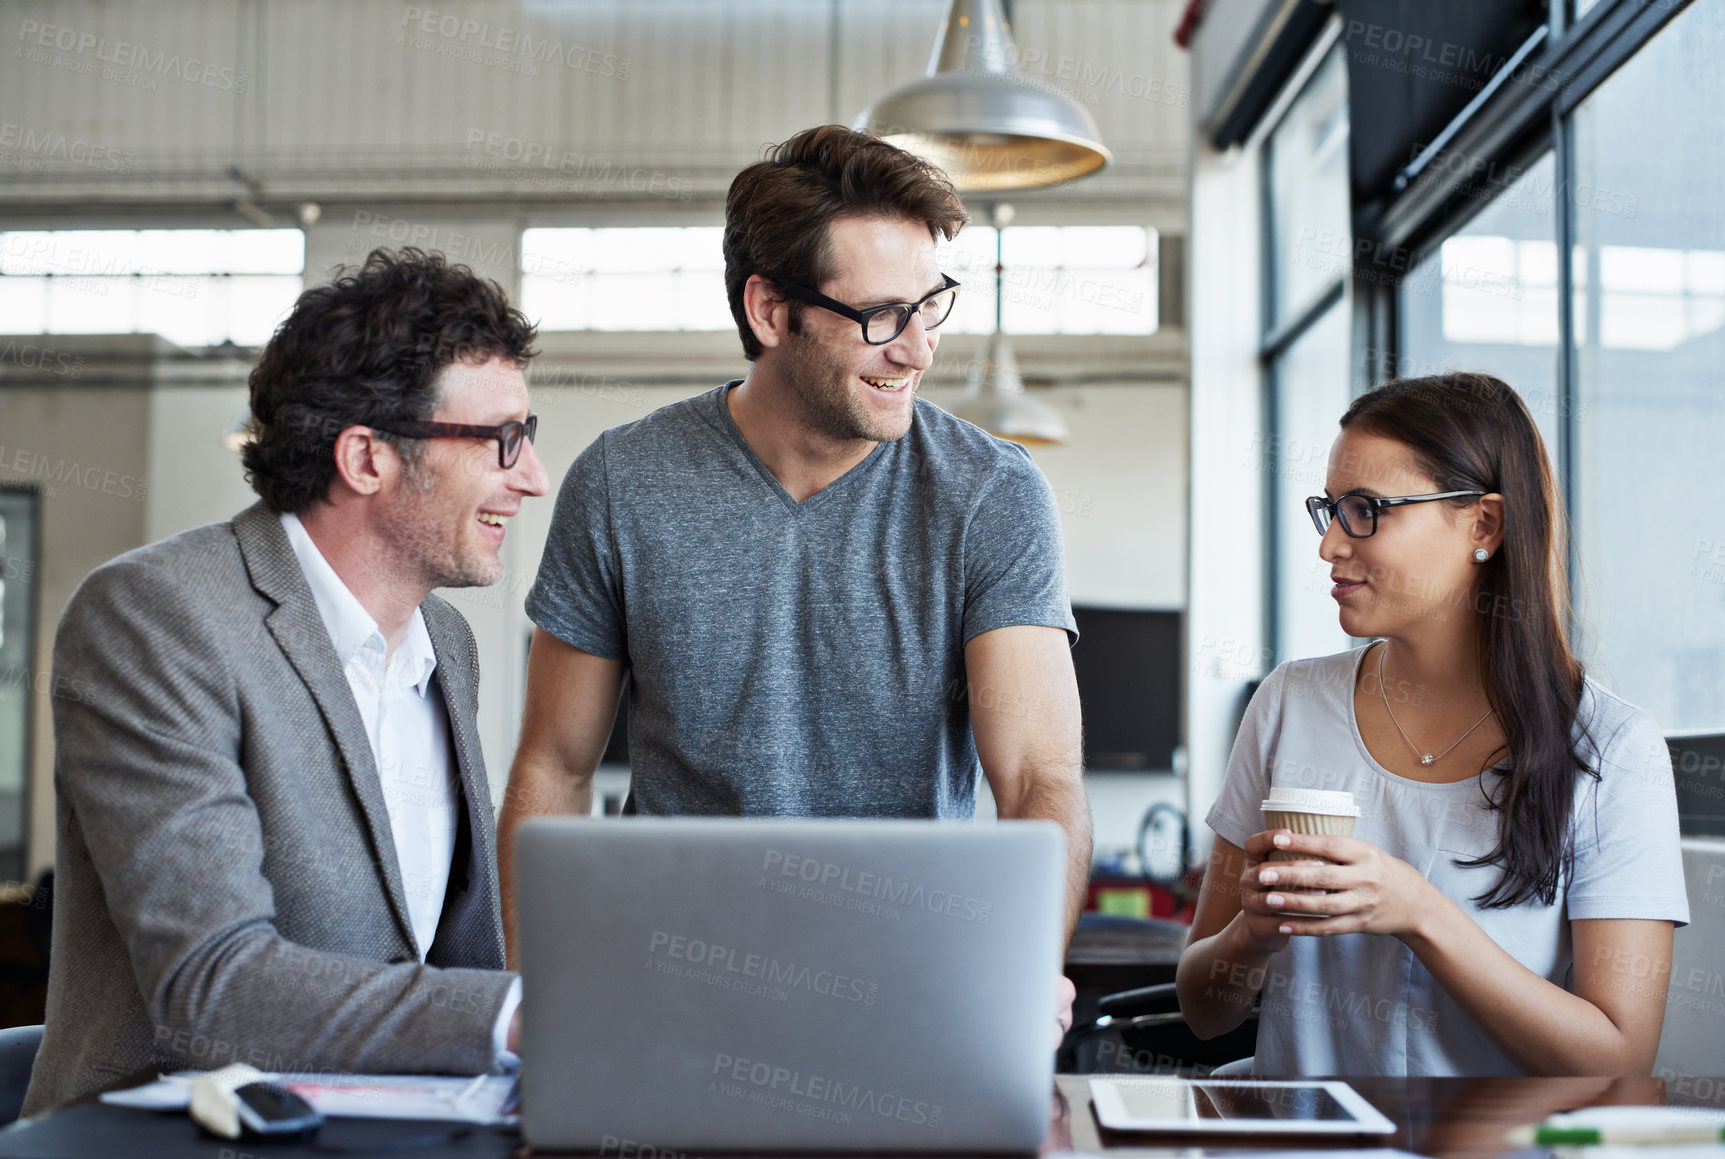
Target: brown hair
point(778, 209)
point(366, 349)
point(1472, 432)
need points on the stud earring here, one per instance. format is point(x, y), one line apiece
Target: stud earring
point(1480, 555)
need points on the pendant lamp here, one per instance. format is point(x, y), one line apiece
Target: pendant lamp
point(988, 127)
point(994, 397)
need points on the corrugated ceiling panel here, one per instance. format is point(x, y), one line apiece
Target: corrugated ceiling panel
point(374, 98)
point(159, 78)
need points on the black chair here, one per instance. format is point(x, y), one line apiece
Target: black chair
point(17, 1055)
point(1142, 1031)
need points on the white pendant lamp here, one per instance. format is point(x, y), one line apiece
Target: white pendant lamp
point(994, 397)
point(973, 115)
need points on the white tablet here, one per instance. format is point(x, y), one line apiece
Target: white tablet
point(1235, 1107)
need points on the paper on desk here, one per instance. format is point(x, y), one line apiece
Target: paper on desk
point(1662, 1151)
point(165, 1094)
point(439, 1098)
point(1652, 1118)
point(481, 1099)
point(1341, 1151)
point(1638, 1118)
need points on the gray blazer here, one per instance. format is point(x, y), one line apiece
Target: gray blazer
point(226, 884)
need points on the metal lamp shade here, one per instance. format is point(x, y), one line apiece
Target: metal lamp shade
point(995, 400)
point(989, 133)
point(973, 115)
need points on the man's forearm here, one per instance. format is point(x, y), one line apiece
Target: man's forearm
point(1060, 799)
point(385, 1018)
point(535, 790)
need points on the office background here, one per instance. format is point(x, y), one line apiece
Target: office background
point(1305, 198)
point(583, 164)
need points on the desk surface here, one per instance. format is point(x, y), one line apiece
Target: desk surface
point(1449, 1118)
point(1444, 1118)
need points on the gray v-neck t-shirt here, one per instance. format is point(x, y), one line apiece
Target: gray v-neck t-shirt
point(798, 659)
point(1362, 1004)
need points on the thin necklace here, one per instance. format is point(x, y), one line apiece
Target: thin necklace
point(1425, 758)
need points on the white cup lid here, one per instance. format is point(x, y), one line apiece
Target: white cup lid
point(1330, 802)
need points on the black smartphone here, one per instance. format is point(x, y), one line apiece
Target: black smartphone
point(269, 1109)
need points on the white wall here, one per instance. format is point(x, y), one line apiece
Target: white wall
point(1121, 480)
point(195, 476)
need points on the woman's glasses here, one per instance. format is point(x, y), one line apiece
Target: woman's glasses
point(1358, 514)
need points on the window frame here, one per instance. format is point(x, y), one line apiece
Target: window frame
point(1513, 128)
point(1277, 340)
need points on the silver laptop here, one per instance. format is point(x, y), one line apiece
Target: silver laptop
point(780, 985)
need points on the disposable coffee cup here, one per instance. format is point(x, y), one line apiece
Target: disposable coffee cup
point(1322, 812)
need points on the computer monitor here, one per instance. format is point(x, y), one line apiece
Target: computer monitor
point(1698, 762)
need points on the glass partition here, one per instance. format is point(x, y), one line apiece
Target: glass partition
point(1649, 307)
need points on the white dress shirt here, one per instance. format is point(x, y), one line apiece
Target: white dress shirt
point(408, 729)
point(410, 743)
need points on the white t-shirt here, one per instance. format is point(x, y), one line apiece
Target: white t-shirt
point(1363, 1004)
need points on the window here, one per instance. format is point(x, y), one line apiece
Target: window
point(1309, 259)
point(194, 287)
point(1311, 392)
point(1073, 279)
point(1486, 299)
point(657, 278)
point(1649, 337)
point(1311, 238)
point(1059, 279)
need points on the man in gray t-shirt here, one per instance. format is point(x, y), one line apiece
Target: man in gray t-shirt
point(831, 598)
point(798, 658)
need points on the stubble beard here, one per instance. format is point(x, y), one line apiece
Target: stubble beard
point(426, 548)
point(829, 404)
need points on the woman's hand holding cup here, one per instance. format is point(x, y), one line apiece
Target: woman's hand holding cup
point(1263, 921)
point(1347, 886)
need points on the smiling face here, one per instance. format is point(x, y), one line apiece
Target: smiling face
point(447, 516)
point(847, 389)
point(1416, 574)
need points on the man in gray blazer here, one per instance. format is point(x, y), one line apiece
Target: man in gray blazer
point(275, 833)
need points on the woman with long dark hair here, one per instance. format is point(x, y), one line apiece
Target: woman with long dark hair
point(1506, 902)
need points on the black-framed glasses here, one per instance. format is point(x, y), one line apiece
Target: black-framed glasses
point(1358, 514)
point(881, 324)
point(511, 437)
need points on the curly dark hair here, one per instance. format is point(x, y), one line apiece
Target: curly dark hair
point(778, 210)
point(367, 349)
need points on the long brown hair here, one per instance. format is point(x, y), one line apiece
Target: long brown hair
point(1472, 432)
